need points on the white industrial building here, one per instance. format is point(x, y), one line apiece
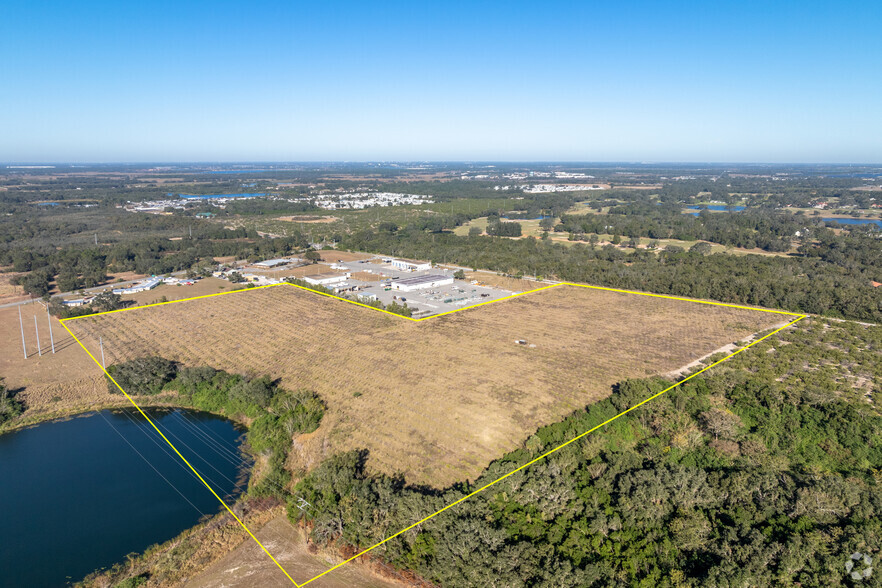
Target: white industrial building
point(407, 265)
point(141, 287)
point(422, 282)
point(269, 263)
point(325, 279)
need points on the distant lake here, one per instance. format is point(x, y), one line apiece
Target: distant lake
point(854, 221)
point(81, 494)
point(240, 171)
point(717, 207)
point(212, 196)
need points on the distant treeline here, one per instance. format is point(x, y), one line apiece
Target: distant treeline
point(832, 276)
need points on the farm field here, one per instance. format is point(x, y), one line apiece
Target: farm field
point(436, 400)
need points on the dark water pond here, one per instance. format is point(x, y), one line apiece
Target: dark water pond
point(855, 221)
point(81, 494)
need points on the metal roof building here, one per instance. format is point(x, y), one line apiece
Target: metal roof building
point(421, 282)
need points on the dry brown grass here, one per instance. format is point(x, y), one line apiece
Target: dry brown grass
point(65, 382)
point(368, 276)
point(178, 292)
point(8, 291)
point(435, 400)
point(335, 255)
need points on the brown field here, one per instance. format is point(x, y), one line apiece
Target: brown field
point(8, 291)
point(65, 382)
point(435, 400)
point(308, 219)
point(335, 255)
point(505, 283)
point(175, 292)
point(367, 276)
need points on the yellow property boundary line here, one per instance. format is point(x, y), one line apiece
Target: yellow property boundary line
point(485, 486)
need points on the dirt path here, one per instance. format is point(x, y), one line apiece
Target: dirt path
point(729, 348)
point(248, 565)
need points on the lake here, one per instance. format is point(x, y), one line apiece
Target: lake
point(716, 207)
point(81, 494)
point(854, 221)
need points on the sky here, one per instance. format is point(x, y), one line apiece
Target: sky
point(708, 81)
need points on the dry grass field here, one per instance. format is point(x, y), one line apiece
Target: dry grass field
point(439, 399)
point(8, 291)
point(62, 383)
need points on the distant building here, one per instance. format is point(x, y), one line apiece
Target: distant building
point(325, 279)
point(274, 262)
point(422, 282)
point(141, 287)
point(407, 265)
point(78, 301)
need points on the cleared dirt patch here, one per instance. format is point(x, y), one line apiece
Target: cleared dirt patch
point(248, 565)
point(435, 400)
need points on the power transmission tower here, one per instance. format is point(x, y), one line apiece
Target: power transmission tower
point(21, 324)
point(37, 331)
point(51, 339)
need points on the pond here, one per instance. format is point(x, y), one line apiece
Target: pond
point(81, 494)
point(716, 207)
point(854, 221)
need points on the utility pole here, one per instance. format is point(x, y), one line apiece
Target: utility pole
point(96, 239)
point(101, 344)
point(51, 339)
point(21, 324)
point(37, 331)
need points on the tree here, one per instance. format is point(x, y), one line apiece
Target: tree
point(106, 301)
point(719, 423)
point(475, 231)
point(312, 256)
point(459, 275)
point(9, 406)
point(701, 248)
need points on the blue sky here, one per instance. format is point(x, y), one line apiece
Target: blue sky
point(582, 81)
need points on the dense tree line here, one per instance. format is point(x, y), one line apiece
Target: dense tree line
point(10, 406)
point(748, 229)
point(760, 473)
point(832, 277)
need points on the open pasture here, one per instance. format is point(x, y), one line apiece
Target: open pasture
point(439, 399)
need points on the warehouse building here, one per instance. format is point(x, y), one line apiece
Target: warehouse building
point(325, 279)
point(270, 263)
point(140, 287)
point(422, 282)
point(407, 265)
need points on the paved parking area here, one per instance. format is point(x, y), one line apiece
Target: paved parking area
point(424, 302)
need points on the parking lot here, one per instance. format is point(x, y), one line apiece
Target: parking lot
point(376, 278)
